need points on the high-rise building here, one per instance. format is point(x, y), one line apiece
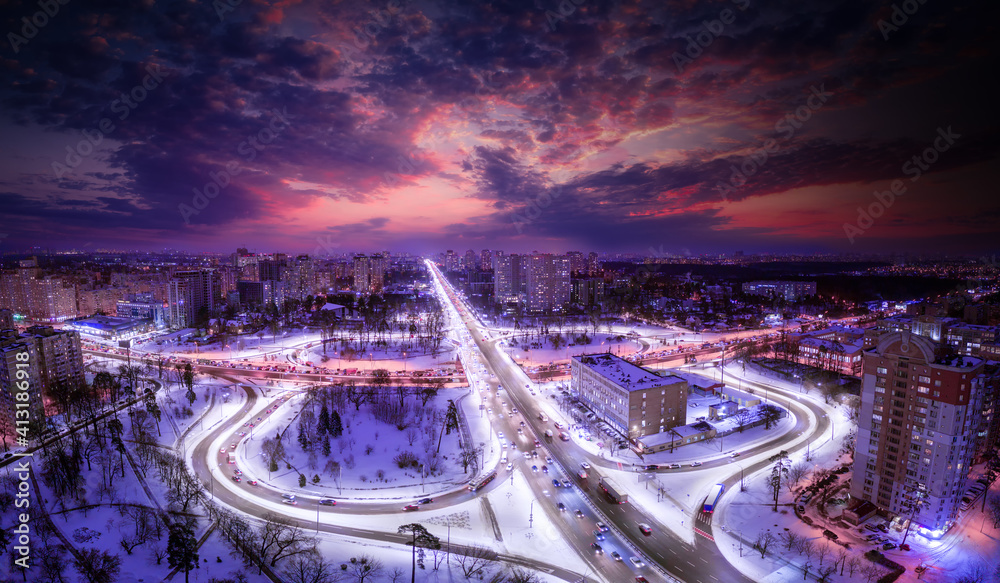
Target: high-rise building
point(6, 320)
point(470, 260)
point(369, 273)
point(920, 410)
point(548, 282)
point(588, 291)
point(508, 279)
point(593, 264)
point(789, 290)
point(261, 293)
point(486, 260)
point(51, 359)
point(189, 295)
point(577, 262)
point(452, 261)
point(15, 378)
point(300, 278)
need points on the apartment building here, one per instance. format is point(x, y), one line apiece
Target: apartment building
point(922, 406)
point(369, 273)
point(632, 400)
point(509, 279)
point(189, 294)
point(548, 282)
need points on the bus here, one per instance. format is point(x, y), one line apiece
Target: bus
point(713, 498)
point(477, 484)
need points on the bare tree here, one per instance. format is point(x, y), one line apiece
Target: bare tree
point(310, 568)
point(51, 564)
point(978, 572)
point(824, 573)
point(411, 435)
point(993, 508)
point(475, 560)
point(159, 553)
point(396, 575)
point(764, 541)
point(853, 564)
point(806, 548)
point(519, 575)
point(842, 555)
point(871, 571)
point(823, 551)
point(366, 568)
point(796, 474)
point(743, 418)
point(789, 539)
point(97, 566)
point(279, 539)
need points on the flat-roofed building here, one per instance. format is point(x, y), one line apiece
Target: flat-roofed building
point(632, 400)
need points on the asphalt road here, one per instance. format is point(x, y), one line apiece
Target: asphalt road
point(701, 563)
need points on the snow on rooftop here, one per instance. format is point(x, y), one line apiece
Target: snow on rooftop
point(624, 373)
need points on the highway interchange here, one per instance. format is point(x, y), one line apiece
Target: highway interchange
point(667, 555)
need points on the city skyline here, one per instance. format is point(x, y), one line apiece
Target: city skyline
point(423, 126)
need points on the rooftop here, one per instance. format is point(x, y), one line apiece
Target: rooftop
point(624, 373)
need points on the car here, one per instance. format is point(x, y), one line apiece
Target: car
point(616, 555)
point(545, 469)
point(579, 513)
point(556, 483)
point(500, 435)
point(674, 467)
point(504, 444)
point(904, 547)
point(602, 527)
point(882, 527)
point(236, 478)
point(598, 549)
point(232, 446)
point(252, 482)
point(585, 465)
point(425, 500)
point(641, 579)
point(238, 472)
point(327, 502)
point(566, 483)
point(534, 468)
point(870, 527)
point(695, 464)
point(558, 425)
point(645, 529)
point(636, 562)
point(888, 546)
point(561, 507)
point(871, 538)
point(523, 424)
point(539, 444)
point(410, 507)
point(920, 568)
point(290, 502)
point(510, 466)
point(735, 454)
point(223, 450)
point(598, 535)
point(549, 460)
point(652, 467)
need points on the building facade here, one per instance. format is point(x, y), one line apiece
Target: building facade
point(548, 283)
point(921, 406)
point(632, 400)
point(789, 290)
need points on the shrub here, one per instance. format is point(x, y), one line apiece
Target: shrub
point(406, 459)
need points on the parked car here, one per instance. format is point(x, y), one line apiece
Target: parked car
point(888, 546)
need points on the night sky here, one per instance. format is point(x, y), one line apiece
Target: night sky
point(667, 127)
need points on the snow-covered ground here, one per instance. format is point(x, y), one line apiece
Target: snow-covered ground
point(365, 452)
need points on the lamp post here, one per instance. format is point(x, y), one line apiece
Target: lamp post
point(531, 513)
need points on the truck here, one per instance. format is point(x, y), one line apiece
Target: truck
point(612, 490)
point(232, 457)
point(543, 417)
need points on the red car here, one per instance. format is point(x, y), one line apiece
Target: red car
point(410, 507)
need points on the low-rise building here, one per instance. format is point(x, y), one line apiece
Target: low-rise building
point(632, 400)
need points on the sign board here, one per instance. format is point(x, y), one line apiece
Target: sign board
point(124, 343)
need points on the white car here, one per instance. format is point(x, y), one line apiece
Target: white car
point(695, 464)
point(636, 562)
point(585, 465)
point(510, 466)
